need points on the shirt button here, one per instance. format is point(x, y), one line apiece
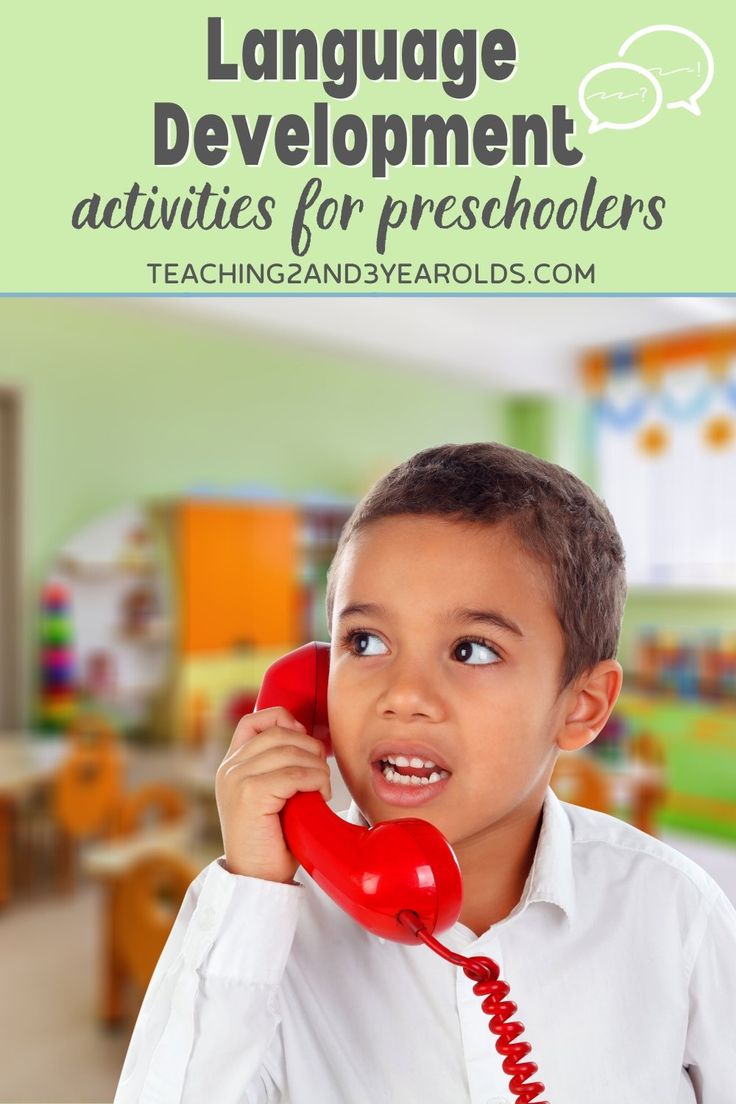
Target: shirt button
point(207, 918)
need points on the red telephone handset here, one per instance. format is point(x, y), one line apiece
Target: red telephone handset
point(373, 874)
point(400, 879)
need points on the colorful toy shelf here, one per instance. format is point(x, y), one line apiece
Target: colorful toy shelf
point(699, 739)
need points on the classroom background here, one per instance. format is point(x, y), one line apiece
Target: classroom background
point(174, 475)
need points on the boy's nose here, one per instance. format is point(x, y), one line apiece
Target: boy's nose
point(410, 692)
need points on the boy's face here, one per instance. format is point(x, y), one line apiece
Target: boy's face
point(453, 659)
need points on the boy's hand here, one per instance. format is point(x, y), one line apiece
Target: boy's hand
point(270, 758)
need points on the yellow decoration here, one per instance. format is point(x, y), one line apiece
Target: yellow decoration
point(719, 431)
point(654, 440)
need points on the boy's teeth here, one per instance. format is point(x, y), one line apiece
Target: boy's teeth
point(412, 779)
point(415, 761)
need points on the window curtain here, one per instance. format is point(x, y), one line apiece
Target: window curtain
point(665, 443)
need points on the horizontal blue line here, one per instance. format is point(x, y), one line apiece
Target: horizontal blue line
point(367, 294)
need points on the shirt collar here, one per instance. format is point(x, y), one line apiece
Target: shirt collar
point(551, 877)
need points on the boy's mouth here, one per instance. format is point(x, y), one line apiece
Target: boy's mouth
point(404, 770)
point(408, 778)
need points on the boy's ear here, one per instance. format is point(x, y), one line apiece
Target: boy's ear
point(589, 703)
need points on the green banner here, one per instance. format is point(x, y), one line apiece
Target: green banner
point(226, 148)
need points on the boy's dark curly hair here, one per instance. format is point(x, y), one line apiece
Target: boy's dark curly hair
point(554, 515)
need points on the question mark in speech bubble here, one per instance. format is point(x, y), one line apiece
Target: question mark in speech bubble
point(690, 104)
point(595, 122)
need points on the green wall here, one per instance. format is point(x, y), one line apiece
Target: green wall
point(124, 403)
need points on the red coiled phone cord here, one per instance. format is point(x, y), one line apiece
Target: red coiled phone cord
point(485, 973)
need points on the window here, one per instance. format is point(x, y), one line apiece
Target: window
point(666, 454)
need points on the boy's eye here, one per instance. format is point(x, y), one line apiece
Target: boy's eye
point(365, 643)
point(475, 653)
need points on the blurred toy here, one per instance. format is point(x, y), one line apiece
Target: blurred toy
point(57, 693)
point(647, 660)
point(710, 666)
point(686, 668)
point(728, 667)
point(139, 610)
point(609, 745)
point(137, 553)
point(239, 705)
point(100, 681)
point(197, 720)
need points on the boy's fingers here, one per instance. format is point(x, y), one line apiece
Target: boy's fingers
point(274, 748)
point(283, 781)
point(274, 738)
point(257, 722)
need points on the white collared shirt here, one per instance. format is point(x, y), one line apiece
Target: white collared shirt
point(621, 957)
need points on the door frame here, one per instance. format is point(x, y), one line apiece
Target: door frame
point(12, 622)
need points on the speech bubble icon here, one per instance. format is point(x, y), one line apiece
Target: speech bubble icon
point(689, 70)
point(616, 101)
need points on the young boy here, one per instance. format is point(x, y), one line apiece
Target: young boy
point(475, 602)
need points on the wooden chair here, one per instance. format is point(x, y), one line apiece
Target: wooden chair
point(580, 781)
point(143, 889)
point(87, 788)
point(154, 803)
point(88, 781)
point(143, 905)
point(647, 751)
